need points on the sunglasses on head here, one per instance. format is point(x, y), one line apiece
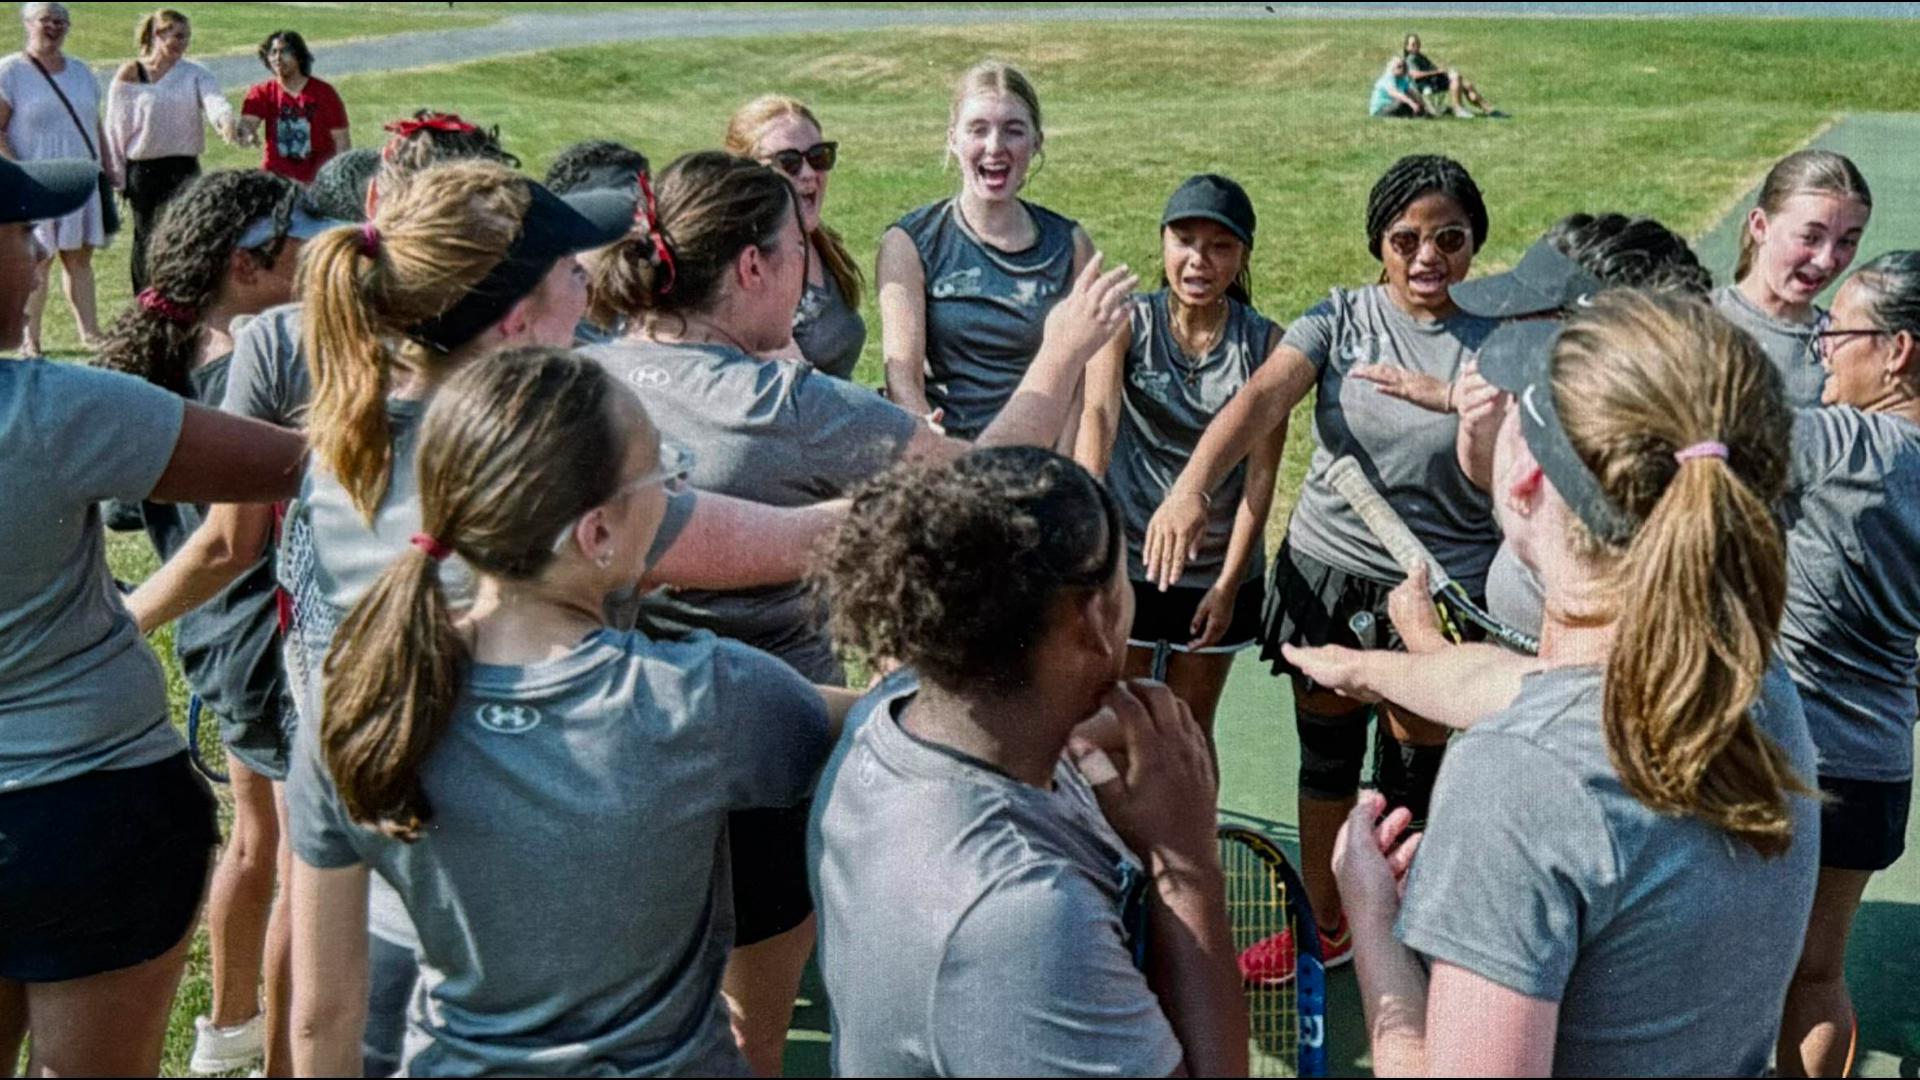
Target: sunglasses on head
point(820, 155)
point(1448, 241)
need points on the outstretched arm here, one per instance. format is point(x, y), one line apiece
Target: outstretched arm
point(732, 543)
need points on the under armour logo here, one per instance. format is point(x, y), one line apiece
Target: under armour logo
point(649, 377)
point(507, 719)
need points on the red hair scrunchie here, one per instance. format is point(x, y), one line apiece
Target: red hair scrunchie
point(662, 254)
point(176, 313)
point(433, 549)
point(369, 240)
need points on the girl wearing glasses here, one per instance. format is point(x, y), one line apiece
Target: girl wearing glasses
point(709, 294)
point(1186, 351)
point(1799, 238)
point(1852, 614)
point(783, 133)
point(227, 251)
point(1425, 220)
point(966, 283)
point(547, 794)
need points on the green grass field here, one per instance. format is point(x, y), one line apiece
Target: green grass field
point(103, 30)
point(1654, 117)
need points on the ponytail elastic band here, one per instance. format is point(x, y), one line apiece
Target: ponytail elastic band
point(1701, 450)
point(434, 549)
point(176, 313)
point(369, 240)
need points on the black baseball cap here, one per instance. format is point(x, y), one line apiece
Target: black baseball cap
point(1544, 282)
point(554, 226)
point(1518, 358)
point(1214, 198)
point(39, 190)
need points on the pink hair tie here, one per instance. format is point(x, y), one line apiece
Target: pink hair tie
point(176, 313)
point(1701, 450)
point(434, 549)
point(369, 240)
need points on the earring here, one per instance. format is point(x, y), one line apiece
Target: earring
point(603, 560)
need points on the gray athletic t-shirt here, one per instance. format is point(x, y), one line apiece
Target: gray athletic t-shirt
point(986, 309)
point(79, 689)
point(828, 330)
point(572, 890)
point(1660, 936)
point(1514, 593)
point(1407, 451)
point(776, 432)
point(1853, 591)
point(228, 647)
point(330, 557)
point(269, 378)
point(1790, 346)
point(971, 924)
point(1166, 401)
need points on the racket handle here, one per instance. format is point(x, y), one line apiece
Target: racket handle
point(1384, 522)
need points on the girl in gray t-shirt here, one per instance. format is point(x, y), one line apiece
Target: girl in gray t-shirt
point(1646, 797)
point(1798, 239)
point(722, 276)
point(1852, 617)
point(966, 283)
point(1425, 222)
point(1186, 351)
point(548, 796)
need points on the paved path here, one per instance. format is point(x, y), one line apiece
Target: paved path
point(537, 32)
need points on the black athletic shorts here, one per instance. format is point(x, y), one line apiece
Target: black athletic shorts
point(102, 871)
point(768, 853)
point(1168, 616)
point(1863, 824)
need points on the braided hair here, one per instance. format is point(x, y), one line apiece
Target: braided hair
point(1637, 253)
point(1413, 177)
point(156, 337)
point(595, 163)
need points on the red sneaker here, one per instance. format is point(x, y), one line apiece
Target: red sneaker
point(1337, 949)
point(1271, 962)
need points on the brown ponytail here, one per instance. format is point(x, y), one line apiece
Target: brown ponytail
point(425, 249)
point(1701, 584)
point(511, 451)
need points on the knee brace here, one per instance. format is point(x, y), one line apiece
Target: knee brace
point(1405, 774)
point(1332, 749)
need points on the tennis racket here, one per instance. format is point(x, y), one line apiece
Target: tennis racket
point(1286, 987)
point(1449, 596)
point(194, 753)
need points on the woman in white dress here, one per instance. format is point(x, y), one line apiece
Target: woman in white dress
point(35, 125)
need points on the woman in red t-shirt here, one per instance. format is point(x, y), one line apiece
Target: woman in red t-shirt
point(305, 120)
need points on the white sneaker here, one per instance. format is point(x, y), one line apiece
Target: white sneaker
point(222, 1050)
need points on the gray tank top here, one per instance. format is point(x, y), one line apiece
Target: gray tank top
point(1789, 345)
point(828, 330)
point(986, 308)
point(1166, 401)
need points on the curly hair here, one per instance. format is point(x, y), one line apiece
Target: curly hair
point(1413, 177)
point(952, 568)
point(186, 266)
point(422, 147)
point(339, 189)
point(595, 163)
point(1635, 253)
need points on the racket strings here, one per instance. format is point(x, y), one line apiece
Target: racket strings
point(1258, 909)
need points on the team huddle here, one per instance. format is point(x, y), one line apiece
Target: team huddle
point(521, 534)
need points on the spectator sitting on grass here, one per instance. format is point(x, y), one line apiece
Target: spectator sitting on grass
point(1393, 93)
point(1441, 89)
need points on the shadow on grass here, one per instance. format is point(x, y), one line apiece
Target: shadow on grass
point(1883, 971)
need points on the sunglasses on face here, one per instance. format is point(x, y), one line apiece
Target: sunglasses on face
point(1448, 241)
point(820, 155)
